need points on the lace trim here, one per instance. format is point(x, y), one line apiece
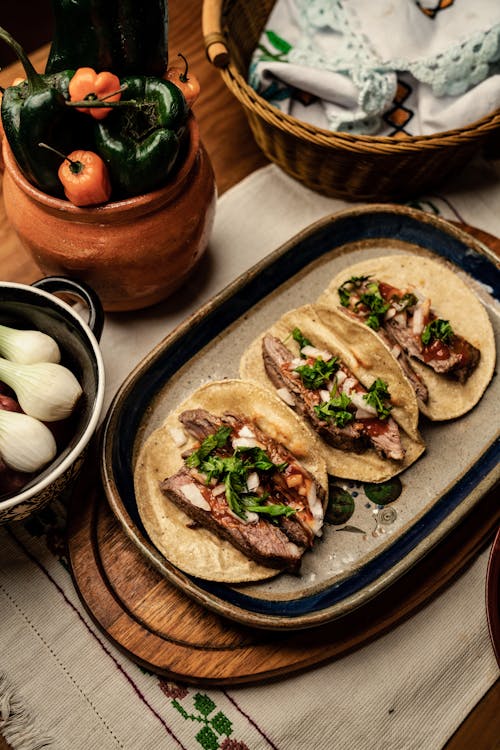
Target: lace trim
point(450, 73)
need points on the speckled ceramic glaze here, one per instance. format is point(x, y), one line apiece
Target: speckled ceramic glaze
point(370, 539)
point(133, 252)
point(37, 307)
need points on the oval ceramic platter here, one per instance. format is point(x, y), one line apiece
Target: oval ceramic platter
point(373, 534)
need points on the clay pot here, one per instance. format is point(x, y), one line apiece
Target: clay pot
point(133, 252)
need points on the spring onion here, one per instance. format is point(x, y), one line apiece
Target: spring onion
point(45, 390)
point(25, 443)
point(28, 347)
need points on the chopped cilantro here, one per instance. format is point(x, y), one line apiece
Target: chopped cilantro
point(301, 340)
point(319, 373)
point(346, 289)
point(335, 410)
point(378, 396)
point(209, 444)
point(407, 300)
point(437, 329)
point(376, 304)
point(233, 471)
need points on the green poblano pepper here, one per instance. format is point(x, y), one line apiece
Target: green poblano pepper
point(35, 111)
point(127, 37)
point(140, 143)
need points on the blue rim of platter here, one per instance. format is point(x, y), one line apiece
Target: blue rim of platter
point(376, 222)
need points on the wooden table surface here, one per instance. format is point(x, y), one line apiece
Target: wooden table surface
point(234, 155)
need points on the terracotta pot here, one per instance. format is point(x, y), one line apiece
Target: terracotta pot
point(134, 252)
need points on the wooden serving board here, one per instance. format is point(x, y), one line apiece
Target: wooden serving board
point(160, 628)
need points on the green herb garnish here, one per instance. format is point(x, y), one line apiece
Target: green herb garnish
point(377, 396)
point(209, 444)
point(233, 471)
point(346, 289)
point(373, 300)
point(319, 373)
point(437, 329)
point(407, 300)
point(335, 410)
point(301, 340)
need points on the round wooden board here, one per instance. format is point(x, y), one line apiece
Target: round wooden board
point(160, 628)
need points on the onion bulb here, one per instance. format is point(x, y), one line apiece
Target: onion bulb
point(25, 443)
point(45, 390)
point(27, 347)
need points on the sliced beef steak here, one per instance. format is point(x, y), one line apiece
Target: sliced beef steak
point(278, 361)
point(260, 540)
point(358, 435)
point(277, 541)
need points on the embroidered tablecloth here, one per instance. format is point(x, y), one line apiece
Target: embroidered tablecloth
point(63, 685)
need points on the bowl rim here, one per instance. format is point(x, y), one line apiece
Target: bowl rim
point(25, 495)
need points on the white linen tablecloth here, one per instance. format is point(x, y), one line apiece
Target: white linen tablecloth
point(63, 685)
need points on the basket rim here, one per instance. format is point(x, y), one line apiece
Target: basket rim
point(273, 116)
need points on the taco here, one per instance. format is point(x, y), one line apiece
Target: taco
point(431, 323)
point(220, 495)
point(351, 394)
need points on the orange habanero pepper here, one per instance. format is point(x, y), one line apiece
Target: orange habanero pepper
point(188, 84)
point(90, 86)
point(85, 178)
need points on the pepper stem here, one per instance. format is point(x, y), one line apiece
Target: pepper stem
point(100, 103)
point(35, 80)
point(75, 166)
point(183, 76)
point(122, 88)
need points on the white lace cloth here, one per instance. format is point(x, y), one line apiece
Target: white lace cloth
point(390, 67)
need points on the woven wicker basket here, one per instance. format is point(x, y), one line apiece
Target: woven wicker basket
point(335, 164)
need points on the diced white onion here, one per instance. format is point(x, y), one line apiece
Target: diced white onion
point(253, 481)
point(286, 396)
point(348, 385)
point(400, 318)
point(316, 509)
point(312, 351)
point(245, 431)
point(178, 436)
point(250, 516)
point(325, 395)
point(193, 494)
point(418, 320)
point(341, 376)
point(244, 442)
point(219, 489)
point(297, 362)
point(391, 312)
point(360, 403)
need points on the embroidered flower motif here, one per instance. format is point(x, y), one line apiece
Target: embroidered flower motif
point(233, 745)
point(172, 690)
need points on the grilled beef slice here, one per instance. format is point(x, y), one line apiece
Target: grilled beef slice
point(261, 540)
point(356, 436)
point(293, 486)
point(413, 377)
point(458, 359)
point(277, 362)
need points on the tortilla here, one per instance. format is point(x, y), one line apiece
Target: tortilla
point(367, 359)
point(452, 300)
point(198, 551)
